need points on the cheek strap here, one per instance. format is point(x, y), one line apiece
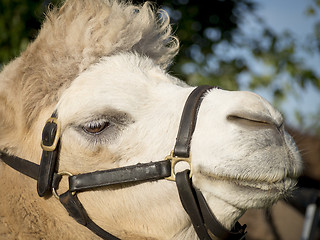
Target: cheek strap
point(50, 146)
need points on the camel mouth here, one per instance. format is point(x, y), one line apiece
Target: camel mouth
point(283, 185)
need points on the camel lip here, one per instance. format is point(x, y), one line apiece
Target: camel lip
point(280, 184)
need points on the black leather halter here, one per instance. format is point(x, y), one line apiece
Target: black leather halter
point(204, 222)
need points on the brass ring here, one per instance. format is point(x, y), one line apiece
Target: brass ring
point(174, 160)
point(54, 191)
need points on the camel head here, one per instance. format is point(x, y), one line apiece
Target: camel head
point(101, 66)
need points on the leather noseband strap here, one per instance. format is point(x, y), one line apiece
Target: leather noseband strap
point(136, 173)
point(188, 121)
point(205, 224)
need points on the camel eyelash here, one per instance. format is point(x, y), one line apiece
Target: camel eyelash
point(103, 129)
point(113, 117)
point(95, 123)
point(98, 132)
point(96, 128)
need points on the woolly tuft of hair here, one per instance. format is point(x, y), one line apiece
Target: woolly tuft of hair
point(79, 34)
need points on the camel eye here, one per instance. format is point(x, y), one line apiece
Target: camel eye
point(103, 128)
point(95, 127)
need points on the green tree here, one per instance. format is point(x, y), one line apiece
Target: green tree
point(215, 50)
point(20, 21)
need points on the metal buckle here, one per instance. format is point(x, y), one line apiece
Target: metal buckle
point(174, 160)
point(54, 191)
point(56, 138)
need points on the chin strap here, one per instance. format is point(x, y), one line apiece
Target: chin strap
point(71, 203)
point(203, 220)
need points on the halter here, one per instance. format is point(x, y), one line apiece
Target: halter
point(203, 220)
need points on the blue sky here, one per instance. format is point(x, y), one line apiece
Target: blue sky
point(282, 15)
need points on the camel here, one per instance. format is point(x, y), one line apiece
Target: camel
point(101, 67)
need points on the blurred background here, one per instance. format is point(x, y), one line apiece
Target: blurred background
point(271, 47)
point(267, 46)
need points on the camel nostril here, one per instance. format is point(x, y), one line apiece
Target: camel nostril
point(253, 120)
